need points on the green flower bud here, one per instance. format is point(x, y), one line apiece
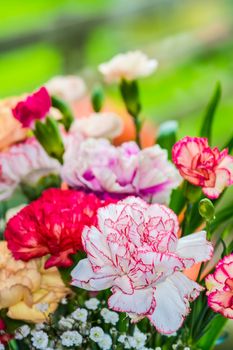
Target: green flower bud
point(206, 209)
point(97, 98)
point(48, 134)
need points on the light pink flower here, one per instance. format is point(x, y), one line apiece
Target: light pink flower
point(25, 162)
point(136, 252)
point(220, 287)
point(203, 166)
point(106, 124)
point(34, 107)
point(128, 66)
point(68, 87)
point(101, 167)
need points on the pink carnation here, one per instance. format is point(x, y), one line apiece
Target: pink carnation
point(203, 166)
point(35, 107)
point(99, 166)
point(136, 252)
point(220, 287)
point(26, 162)
point(52, 225)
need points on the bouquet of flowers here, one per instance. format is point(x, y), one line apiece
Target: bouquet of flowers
point(107, 244)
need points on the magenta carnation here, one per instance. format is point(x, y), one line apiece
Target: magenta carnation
point(136, 252)
point(35, 107)
point(203, 166)
point(220, 287)
point(52, 225)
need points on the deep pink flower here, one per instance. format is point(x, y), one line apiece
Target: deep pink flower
point(203, 166)
point(35, 107)
point(52, 225)
point(4, 337)
point(220, 287)
point(136, 252)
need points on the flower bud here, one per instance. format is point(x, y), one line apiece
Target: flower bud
point(206, 209)
point(97, 98)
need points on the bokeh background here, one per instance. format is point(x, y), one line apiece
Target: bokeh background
point(192, 40)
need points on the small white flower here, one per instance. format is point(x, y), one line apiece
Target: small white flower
point(123, 339)
point(96, 334)
point(22, 332)
point(129, 66)
point(66, 323)
point(64, 301)
point(39, 340)
point(109, 316)
point(71, 338)
point(39, 326)
point(80, 315)
point(42, 307)
point(158, 348)
point(92, 304)
point(138, 340)
point(106, 342)
point(2, 347)
point(187, 348)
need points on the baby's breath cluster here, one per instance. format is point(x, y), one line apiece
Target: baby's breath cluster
point(90, 326)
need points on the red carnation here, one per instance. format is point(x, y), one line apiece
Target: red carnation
point(36, 106)
point(52, 225)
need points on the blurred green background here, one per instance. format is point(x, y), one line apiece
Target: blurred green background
point(192, 40)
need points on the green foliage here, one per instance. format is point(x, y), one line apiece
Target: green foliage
point(206, 129)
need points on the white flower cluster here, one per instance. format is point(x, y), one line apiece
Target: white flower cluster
point(109, 316)
point(87, 327)
point(136, 341)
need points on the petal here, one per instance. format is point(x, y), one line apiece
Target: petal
point(194, 248)
point(83, 276)
point(96, 247)
point(140, 302)
point(222, 180)
point(221, 302)
point(172, 302)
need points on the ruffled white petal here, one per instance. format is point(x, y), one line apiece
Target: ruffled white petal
point(194, 248)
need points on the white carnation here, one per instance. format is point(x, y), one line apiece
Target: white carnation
point(129, 66)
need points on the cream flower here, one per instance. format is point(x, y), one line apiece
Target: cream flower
point(70, 88)
point(24, 285)
point(128, 66)
point(107, 125)
point(10, 129)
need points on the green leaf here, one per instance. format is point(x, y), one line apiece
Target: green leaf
point(222, 216)
point(208, 340)
point(206, 129)
point(229, 144)
point(167, 135)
